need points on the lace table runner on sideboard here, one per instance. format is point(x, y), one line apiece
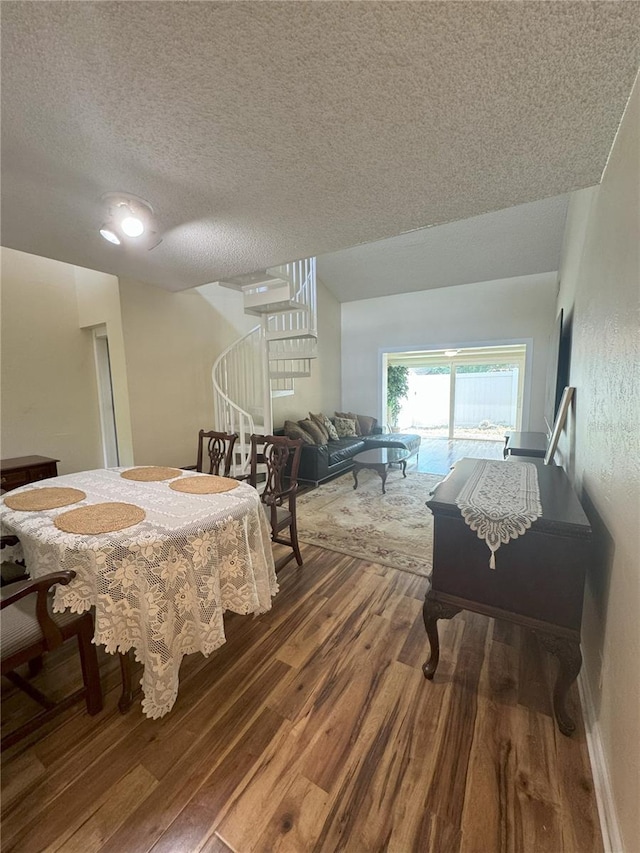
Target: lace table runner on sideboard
point(500, 501)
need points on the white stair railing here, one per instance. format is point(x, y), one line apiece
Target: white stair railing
point(241, 393)
point(280, 348)
point(292, 324)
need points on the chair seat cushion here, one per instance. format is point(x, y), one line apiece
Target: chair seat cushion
point(19, 624)
point(282, 514)
point(12, 572)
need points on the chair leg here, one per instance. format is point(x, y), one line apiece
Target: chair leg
point(31, 691)
point(90, 669)
point(293, 529)
point(35, 665)
point(129, 692)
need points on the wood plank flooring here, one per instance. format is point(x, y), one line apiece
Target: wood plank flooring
point(438, 455)
point(313, 729)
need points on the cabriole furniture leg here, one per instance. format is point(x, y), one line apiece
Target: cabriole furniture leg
point(431, 612)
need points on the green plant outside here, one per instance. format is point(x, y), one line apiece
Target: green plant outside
point(397, 390)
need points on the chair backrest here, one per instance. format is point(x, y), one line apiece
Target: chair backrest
point(277, 456)
point(28, 630)
point(217, 448)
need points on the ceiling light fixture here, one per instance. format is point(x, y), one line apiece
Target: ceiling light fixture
point(132, 226)
point(129, 220)
point(109, 234)
point(451, 352)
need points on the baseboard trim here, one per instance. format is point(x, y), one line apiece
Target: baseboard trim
point(609, 826)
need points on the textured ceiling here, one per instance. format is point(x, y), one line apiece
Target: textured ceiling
point(518, 241)
point(262, 132)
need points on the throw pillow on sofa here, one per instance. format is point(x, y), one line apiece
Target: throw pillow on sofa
point(320, 425)
point(313, 429)
point(366, 424)
point(345, 427)
point(350, 417)
point(292, 430)
point(326, 423)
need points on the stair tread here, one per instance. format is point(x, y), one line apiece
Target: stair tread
point(253, 281)
point(292, 356)
point(291, 334)
point(273, 308)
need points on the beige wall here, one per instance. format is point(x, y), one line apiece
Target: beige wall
point(48, 392)
point(171, 341)
point(600, 293)
point(162, 349)
point(98, 297)
point(319, 392)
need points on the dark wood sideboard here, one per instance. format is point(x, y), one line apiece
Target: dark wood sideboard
point(538, 581)
point(26, 469)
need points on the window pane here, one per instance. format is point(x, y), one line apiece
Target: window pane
point(427, 406)
point(486, 400)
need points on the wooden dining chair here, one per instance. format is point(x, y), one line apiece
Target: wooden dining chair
point(215, 452)
point(277, 457)
point(11, 570)
point(28, 630)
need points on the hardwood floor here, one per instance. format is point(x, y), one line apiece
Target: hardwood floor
point(437, 455)
point(313, 729)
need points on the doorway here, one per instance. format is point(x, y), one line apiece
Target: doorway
point(105, 398)
point(474, 393)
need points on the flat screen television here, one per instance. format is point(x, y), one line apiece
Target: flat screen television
point(557, 367)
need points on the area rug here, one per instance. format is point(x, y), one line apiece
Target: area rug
point(395, 529)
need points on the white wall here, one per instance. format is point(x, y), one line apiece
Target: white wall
point(600, 294)
point(319, 392)
point(490, 312)
point(49, 393)
point(232, 323)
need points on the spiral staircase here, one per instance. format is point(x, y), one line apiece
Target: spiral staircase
point(265, 362)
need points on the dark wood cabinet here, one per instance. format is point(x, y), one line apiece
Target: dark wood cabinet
point(26, 469)
point(539, 577)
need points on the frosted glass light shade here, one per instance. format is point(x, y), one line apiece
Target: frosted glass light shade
point(110, 235)
point(132, 226)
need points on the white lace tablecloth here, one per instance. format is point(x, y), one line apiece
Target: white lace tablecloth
point(160, 587)
point(500, 501)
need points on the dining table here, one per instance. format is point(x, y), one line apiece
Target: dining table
point(185, 553)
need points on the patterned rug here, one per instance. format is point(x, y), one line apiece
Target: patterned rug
point(393, 529)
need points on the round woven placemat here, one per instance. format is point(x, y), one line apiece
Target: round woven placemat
point(99, 518)
point(151, 474)
point(206, 485)
point(46, 498)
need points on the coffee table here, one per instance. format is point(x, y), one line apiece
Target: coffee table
point(380, 460)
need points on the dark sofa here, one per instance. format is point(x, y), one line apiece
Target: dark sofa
point(319, 462)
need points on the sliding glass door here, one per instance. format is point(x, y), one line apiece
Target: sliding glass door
point(474, 393)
